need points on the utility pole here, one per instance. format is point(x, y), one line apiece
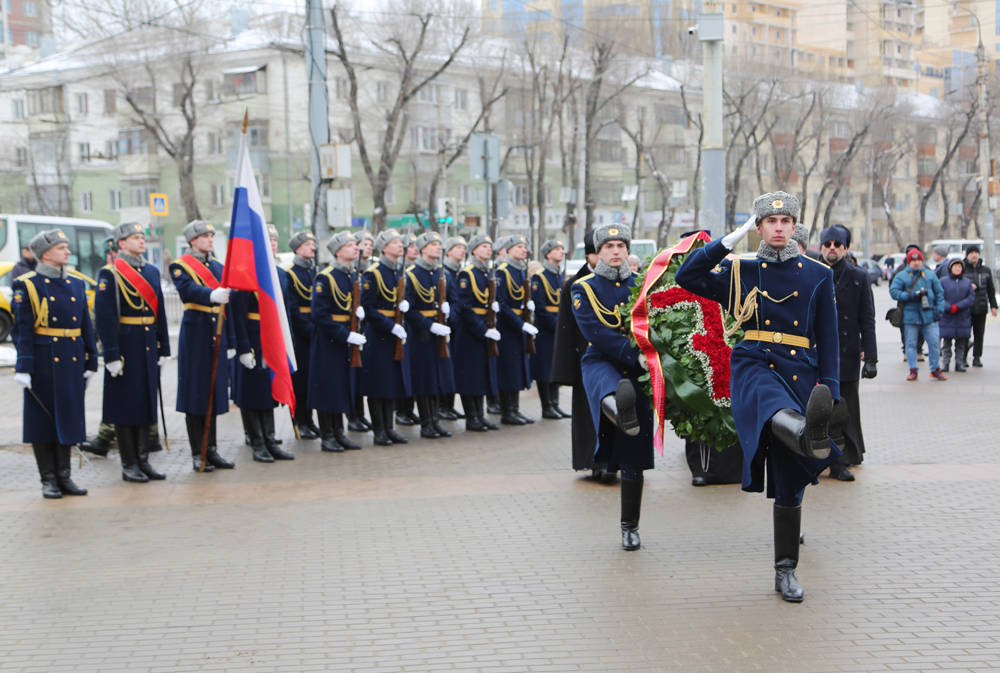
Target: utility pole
point(319, 124)
point(713, 153)
point(868, 206)
point(985, 200)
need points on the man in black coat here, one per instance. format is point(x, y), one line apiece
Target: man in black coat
point(986, 300)
point(856, 318)
point(24, 265)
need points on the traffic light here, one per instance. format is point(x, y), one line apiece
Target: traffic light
point(449, 211)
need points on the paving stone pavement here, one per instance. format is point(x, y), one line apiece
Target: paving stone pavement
point(487, 553)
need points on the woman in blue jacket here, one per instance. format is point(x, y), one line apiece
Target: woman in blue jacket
point(959, 296)
point(922, 299)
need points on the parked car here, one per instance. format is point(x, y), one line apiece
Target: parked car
point(876, 273)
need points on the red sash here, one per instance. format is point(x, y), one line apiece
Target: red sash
point(203, 272)
point(139, 283)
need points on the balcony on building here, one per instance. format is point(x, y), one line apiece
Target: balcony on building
point(244, 88)
point(137, 155)
point(47, 110)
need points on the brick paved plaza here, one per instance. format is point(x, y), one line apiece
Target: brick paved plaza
point(487, 553)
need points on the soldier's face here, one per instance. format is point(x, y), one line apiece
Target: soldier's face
point(432, 251)
point(411, 251)
point(57, 255)
point(348, 252)
point(274, 245)
point(519, 251)
point(457, 253)
point(133, 245)
point(367, 250)
point(483, 252)
point(556, 255)
point(393, 248)
point(308, 250)
point(614, 253)
point(203, 243)
point(777, 230)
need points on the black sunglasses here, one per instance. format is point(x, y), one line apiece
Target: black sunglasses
point(833, 244)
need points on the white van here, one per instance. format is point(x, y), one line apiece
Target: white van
point(645, 248)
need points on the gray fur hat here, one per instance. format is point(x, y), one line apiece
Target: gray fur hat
point(801, 235)
point(196, 228)
point(550, 245)
point(612, 232)
point(384, 238)
point(453, 241)
point(478, 240)
point(776, 203)
point(409, 239)
point(339, 241)
point(425, 239)
point(363, 236)
point(501, 243)
point(272, 231)
point(516, 239)
point(44, 240)
point(298, 239)
point(126, 229)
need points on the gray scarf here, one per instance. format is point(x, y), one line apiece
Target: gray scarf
point(303, 262)
point(771, 254)
point(425, 265)
point(611, 273)
point(44, 269)
point(478, 264)
point(518, 264)
point(452, 265)
point(132, 260)
point(337, 266)
point(200, 256)
point(549, 266)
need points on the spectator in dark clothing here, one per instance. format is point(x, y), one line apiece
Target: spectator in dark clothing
point(986, 301)
point(940, 256)
point(956, 324)
point(25, 264)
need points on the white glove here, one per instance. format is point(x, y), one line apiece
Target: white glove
point(730, 240)
point(22, 379)
point(356, 339)
point(114, 368)
point(230, 353)
point(446, 309)
point(160, 361)
point(399, 332)
point(404, 306)
point(642, 362)
point(493, 334)
point(220, 295)
point(360, 312)
point(248, 361)
point(86, 378)
point(529, 328)
point(496, 307)
point(531, 305)
point(440, 330)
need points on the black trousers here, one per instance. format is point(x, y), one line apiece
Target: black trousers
point(854, 439)
point(978, 330)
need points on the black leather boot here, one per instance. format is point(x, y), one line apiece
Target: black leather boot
point(142, 445)
point(267, 423)
point(472, 422)
point(304, 423)
point(340, 435)
point(432, 400)
point(507, 414)
point(807, 435)
point(493, 405)
point(515, 398)
point(154, 438)
point(787, 524)
point(329, 440)
point(213, 456)
point(404, 412)
point(544, 395)
point(427, 430)
point(45, 456)
point(378, 422)
point(98, 447)
point(838, 421)
point(478, 402)
point(631, 508)
point(620, 409)
point(254, 428)
point(841, 472)
point(63, 472)
point(447, 410)
point(356, 421)
point(554, 399)
point(196, 428)
point(394, 437)
point(128, 449)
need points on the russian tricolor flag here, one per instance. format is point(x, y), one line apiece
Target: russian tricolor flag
point(250, 266)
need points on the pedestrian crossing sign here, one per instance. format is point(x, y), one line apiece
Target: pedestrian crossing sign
point(158, 205)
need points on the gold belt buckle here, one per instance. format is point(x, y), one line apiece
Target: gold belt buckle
point(777, 337)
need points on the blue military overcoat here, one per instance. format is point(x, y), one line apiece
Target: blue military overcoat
point(429, 373)
point(383, 377)
point(513, 368)
point(546, 290)
point(139, 339)
point(194, 349)
point(475, 370)
point(796, 299)
point(299, 298)
point(598, 304)
point(252, 387)
point(55, 344)
point(331, 384)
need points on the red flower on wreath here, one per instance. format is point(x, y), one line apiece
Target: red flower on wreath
point(712, 343)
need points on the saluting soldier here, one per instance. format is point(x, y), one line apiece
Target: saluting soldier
point(513, 369)
point(56, 355)
point(611, 369)
point(331, 384)
point(428, 370)
point(475, 369)
point(384, 380)
point(786, 372)
point(356, 421)
point(252, 380)
point(132, 326)
point(302, 275)
point(546, 291)
point(454, 259)
point(196, 276)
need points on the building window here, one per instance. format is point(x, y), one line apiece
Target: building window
point(19, 109)
point(22, 157)
point(218, 195)
point(110, 101)
point(31, 37)
point(114, 200)
point(178, 91)
point(461, 99)
point(465, 194)
point(45, 101)
point(214, 143)
point(82, 106)
point(390, 195)
point(343, 88)
point(135, 141)
point(382, 91)
point(256, 134)
point(30, 8)
point(83, 152)
point(777, 35)
point(211, 92)
point(238, 83)
point(87, 201)
point(521, 195)
point(111, 150)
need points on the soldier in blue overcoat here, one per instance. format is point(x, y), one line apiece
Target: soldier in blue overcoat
point(785, 373)
point(546, 291)
point(251, 378)
point(428, 370)
point(356, 421)
point(196, 276)
point(454, 258)
point(384, 379)
point(611, 368)
point(500, 248)
point(404, 406)
point(302, 275)
point(56, 355)
point(513, 369)
point(132, 325)
point(475, 369)
point(331, 384)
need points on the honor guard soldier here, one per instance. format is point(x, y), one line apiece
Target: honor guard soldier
point(331, 381)
point(513, 369)
point(493, 401)
point(302, 275)
point(546, 291)
point(785, 373)
point(611, 368)
point(475, 369)
point(56, 355)
point(454, 260)
point(366, 246)
point(132, 325)
point(429, 368)
point(384, 379)
point(356, 421)
point(196, 276)
point(404, 407)
point(251, 378)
